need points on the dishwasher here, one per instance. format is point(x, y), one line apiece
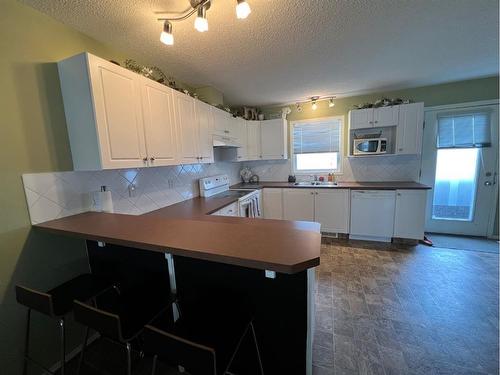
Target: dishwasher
point(372, 215)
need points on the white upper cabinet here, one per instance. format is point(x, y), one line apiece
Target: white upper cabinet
point(223, 124)
point(187, 128)
point(254, 151)
point(159, 123)
point(410, 129)
point(385, 116)
point(298, 204)
point(102, 103)
point(332, 210)
point(361, 118)
point(273, 139)
point(205, 120)
point(409, 219)
point(242, 137)
point(374, 117)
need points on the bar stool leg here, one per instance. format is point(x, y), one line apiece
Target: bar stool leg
point(129, 359)
point(63, 345)
point(155, 360)
point(80, 361)
point(27, 342)
point(257, 348)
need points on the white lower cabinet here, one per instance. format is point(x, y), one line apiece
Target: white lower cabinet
point(298, 204)
point(329, 207)
point(331, 210)
point(409, 218)
point(272, 203)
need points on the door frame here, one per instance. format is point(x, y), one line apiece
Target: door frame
point(491, 216)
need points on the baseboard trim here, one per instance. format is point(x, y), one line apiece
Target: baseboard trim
point(72, 354)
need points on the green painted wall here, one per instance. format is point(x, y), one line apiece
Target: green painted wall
point(33, 139)
point(449, 93)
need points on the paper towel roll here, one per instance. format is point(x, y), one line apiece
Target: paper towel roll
point(102, 201)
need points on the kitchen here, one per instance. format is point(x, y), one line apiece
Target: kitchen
point(311, 213)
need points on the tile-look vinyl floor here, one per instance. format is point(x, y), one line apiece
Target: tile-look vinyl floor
point(388, 309)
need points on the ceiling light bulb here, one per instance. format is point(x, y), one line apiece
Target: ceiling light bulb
point(314, 105)
point(166, 36)
point(331, 103)
point(242, 9)
point(201, 22)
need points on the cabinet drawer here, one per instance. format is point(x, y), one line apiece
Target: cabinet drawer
point(229, 210)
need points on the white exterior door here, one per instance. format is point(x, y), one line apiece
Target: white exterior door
point(273, 142)
point(298, 204)
point(331, 210)
point(117, 105)
point(187, 128)
point(253, 140)
point(205, 121)
point(159, 121)
point(361, 118)
point(464, 180)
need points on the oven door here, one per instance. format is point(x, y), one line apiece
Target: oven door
point(250, 206)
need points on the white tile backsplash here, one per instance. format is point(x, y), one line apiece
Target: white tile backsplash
point(381, 168)
point(134, 191)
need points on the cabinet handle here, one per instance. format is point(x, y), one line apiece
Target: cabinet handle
point(145, 160)
point(201, 157)
point(399, 194)
point(370, 122)
point(260, 156)
point(226, 131)
point(376, 122)
point(152, 158)
point(312, 193)
point(400, 149)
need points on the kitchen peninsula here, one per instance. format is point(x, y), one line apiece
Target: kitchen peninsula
point(269, 262)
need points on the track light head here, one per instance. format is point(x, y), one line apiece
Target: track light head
point(166, 36)
point(242, 9)
point(201, 22)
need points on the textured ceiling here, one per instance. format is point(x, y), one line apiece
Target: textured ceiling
point(292, 49)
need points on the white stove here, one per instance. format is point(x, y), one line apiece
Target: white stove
point(249, 200)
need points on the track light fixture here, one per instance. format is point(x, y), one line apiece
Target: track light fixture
point(200, 7)
point(331, 103)
point(166, 36)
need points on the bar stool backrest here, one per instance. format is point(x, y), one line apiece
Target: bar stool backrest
point(41, 302)
point(104, 322)
point(195, 358)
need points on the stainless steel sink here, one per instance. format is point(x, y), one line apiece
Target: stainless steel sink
point(316, 183)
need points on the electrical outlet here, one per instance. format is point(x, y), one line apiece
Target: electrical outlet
point(131, 190)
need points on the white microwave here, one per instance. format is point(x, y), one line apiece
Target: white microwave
point(370, 146)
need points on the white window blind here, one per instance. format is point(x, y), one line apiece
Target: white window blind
point(464, 130)
point(317, 137)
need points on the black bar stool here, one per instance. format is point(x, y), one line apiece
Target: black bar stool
point(204, 340)
point(120, 320)
point(56, 303)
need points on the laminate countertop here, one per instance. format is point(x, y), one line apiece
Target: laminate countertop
point(389, 185)
point(186, 229)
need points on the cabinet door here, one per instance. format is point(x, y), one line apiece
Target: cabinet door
point(410, 129)
point(205, 120)
point(298, 204)
point(273, 139)
point(241, 135)
point(385, 116)
point(409, 219)
point(221, 122)
point(186, 128)
point(273, 203)
point(161, 142)
point(331, 210)
point(361, 118)
point(118, 114)
point(253, 140)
